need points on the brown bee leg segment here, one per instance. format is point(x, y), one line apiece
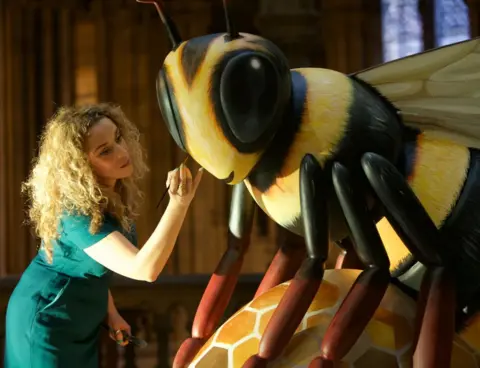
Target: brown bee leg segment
point(303, 287)
point(348, 257)
point(368, 290)
point(435, 323)
point(286, 262)
point(222, 283)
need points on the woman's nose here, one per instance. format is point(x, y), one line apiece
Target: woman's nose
point(122, 152)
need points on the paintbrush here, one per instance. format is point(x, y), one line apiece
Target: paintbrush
point(130, 338)
point(166, 190)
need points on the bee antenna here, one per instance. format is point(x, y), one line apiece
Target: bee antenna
point(172, 31)
point(231, 32)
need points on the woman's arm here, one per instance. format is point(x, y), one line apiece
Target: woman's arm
point(111, 304)
point(119, 255)
point(116, 323)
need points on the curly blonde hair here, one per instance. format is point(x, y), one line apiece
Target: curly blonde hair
point(62, 179)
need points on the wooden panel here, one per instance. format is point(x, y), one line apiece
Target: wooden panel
point(474, 12)
point(3, 144)
point(67, 55)
point(14, 150)
point(371, 27)
point(86, 91)
point(14, 141)
point(351, 34)
point(34, 82)
point(427, 13)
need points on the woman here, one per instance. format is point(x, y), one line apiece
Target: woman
point(84, 195)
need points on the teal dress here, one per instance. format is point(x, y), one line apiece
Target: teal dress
point(54, 315)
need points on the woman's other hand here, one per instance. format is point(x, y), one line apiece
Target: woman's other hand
point(117, 324)
point(182, 188)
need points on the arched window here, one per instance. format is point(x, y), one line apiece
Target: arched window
point(402, 26)
point(451, 22)
point(402, 29)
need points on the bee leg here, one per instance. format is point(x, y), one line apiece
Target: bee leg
point(303, 287)
point(286, 262)
point(348, 257)
point(367, 292)
point(222, 283)
point(435, 324)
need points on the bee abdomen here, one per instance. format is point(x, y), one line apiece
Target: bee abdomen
point(461, 233)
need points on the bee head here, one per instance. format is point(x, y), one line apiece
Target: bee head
point(223, 97)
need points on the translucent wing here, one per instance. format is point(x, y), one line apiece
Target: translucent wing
point(436, 91)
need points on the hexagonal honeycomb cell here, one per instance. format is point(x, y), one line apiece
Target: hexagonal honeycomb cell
point(389, 331)
point(375, 355)
point(471, 333)
point(386, 341)
point(241, 325)
point(463, 354)
point(244, 349)
point(214, 357)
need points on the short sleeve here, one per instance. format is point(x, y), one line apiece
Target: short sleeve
point(75, 230)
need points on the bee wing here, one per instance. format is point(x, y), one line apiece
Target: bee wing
point(436, 91)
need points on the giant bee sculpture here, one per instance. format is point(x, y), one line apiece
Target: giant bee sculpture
point(327, 156)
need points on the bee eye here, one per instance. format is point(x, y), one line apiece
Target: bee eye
point(169, 109)
point(250, 95)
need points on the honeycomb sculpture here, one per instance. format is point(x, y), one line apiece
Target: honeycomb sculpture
point(386, 341)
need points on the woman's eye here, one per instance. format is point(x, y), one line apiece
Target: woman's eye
point(106, 151)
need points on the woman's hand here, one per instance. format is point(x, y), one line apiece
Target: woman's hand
point(117, 324)
point(181, 187)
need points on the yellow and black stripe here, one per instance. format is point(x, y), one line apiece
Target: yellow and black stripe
point(445, 178)
point(332, 117)
point(436, 171)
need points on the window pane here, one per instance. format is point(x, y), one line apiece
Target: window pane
point(451, 22)
point(402, 28)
